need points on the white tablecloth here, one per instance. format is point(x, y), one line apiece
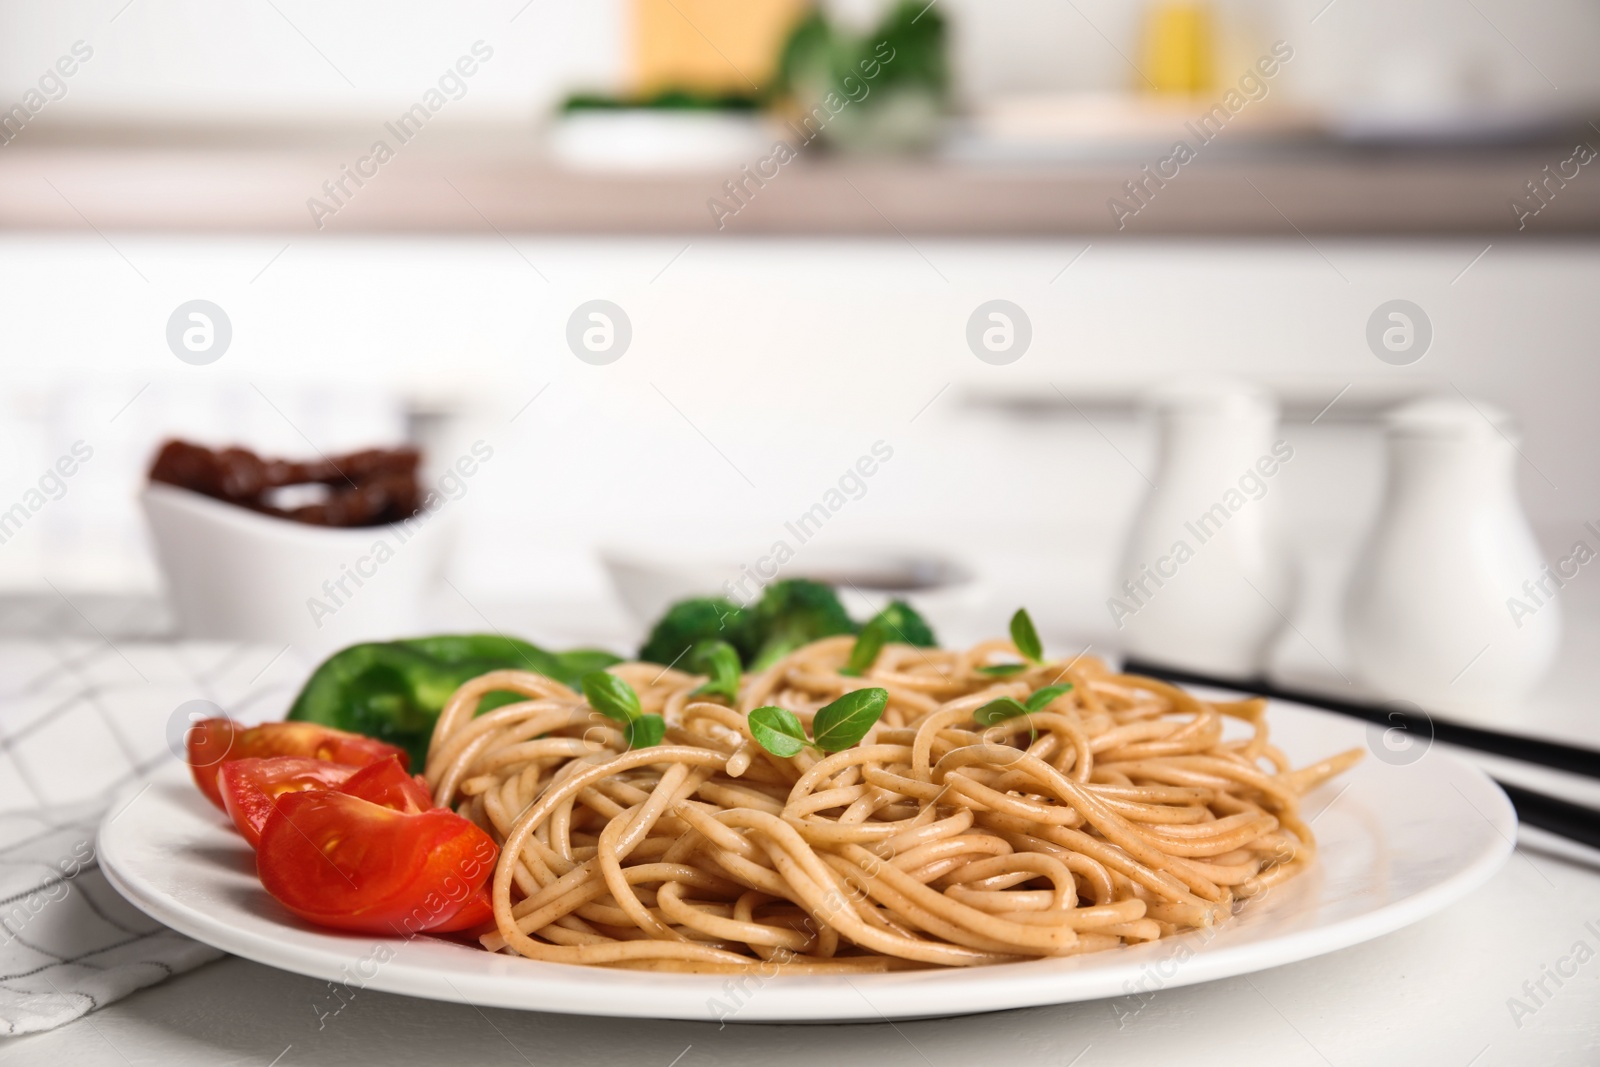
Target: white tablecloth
point(79, 724)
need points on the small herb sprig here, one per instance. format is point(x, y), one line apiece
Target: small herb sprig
point(835, 727)
point(615, 699)
point(1026, 638)
point(720, 662)
point(897, 622)
point(864, 653)
point(998, 711)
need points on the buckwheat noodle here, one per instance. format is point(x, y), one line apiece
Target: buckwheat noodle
point(1117, 814)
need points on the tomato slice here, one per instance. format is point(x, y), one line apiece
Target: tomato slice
point(213, 742)
point(387, 783)
point(208, 743)
point(249, 786)
point(340, 861)
point(477, 911)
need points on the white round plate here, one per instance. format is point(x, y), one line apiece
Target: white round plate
point(1397, 842)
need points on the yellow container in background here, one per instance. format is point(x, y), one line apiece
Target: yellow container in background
point(1179, 46)
point(709, 46)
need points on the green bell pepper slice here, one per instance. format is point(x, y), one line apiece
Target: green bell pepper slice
point(395, 690)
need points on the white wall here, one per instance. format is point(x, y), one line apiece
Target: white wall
point(298, 61)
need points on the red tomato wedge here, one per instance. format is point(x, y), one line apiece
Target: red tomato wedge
point(209, 742)
point(340, 861)
point(250, 786)
point(477, 911)
point(213, 742)
point(387, 783)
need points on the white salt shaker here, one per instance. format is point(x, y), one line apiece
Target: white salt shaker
point(1205, 575)
point(1444, 606)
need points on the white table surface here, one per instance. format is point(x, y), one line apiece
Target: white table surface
point(1434, 993)
point(1438, 992)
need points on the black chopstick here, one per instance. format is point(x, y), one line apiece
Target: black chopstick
point(1560, 817)
point(1574, 759)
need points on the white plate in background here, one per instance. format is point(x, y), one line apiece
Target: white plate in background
point(650, 580)
point(1396, 844)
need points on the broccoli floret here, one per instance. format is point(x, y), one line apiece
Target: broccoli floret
point(905, 626)
point(689, 622)
point(791, 614)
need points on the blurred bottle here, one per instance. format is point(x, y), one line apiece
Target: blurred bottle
point(1205, 573)
point(1179, 46)
point(1427, 616)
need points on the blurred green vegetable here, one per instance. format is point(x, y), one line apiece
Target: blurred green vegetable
point(895, 77)
point(790, 615)
point(905, 49)
point(904, 625)
point(917, 32)
point(666, 100)
point(395, 690)
point(689, 622)
point(811, 53)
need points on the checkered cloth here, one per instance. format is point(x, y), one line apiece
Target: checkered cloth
point(80, 722)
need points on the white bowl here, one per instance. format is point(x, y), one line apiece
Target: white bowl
point(236, 574)
point(653, 139)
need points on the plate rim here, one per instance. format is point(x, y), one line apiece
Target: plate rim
point(1013, 986)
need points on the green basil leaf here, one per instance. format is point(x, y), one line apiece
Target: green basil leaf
point(864, 653)
point(1003, 670)
point(847, 720)
point(1025, 636)
point(1042, 697)
point(719, 660)
point(646, 731)
point(778, 731)
point(998, 711)
point(611, 696)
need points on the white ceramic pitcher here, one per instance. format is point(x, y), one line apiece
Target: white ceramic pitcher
point(1428, 615)
point(1205, 576)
